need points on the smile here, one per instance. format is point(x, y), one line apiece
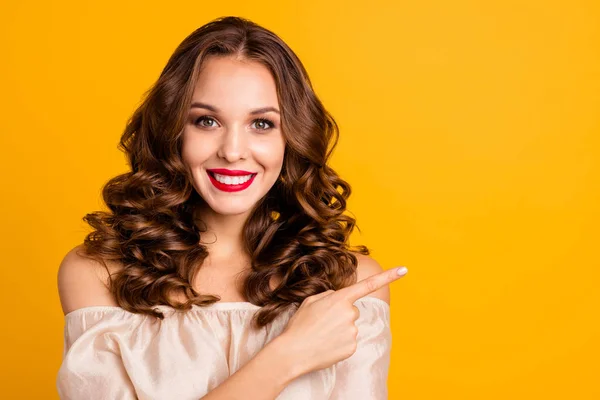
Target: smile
point(231, 181)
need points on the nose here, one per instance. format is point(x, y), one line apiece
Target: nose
point(233, 144)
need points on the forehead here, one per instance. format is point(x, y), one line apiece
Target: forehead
point(226, 81)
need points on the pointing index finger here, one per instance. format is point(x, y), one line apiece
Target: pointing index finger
point(371, 284)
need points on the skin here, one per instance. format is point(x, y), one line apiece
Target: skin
point(322, 331)
point(231, 137)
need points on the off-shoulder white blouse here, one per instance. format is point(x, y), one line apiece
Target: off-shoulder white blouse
point(113, 354)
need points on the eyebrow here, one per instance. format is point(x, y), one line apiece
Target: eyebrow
point(262, 110)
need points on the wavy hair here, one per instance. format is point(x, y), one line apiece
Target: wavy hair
point(297, 232)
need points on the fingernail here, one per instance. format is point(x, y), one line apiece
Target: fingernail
point(402, 270)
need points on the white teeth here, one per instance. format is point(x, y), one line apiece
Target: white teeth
point(232, 180)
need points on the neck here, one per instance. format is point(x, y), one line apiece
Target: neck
point(221, 234)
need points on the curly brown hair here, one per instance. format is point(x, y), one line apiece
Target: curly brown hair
point(297, 232)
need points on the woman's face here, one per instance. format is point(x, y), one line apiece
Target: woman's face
point(234, 127)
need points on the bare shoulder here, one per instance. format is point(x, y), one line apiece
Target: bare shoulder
point(83, 282)
point(368, 266)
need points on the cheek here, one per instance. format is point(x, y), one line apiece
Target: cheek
point(193, 151)
point(270, 152)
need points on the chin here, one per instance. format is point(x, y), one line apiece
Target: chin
point(226, 208)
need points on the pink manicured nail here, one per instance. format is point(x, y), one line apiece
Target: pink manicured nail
point(402, 270)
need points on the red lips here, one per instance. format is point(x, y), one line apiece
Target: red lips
point(229, 188)
point(230, 172)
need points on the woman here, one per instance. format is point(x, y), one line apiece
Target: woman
point(222, 268)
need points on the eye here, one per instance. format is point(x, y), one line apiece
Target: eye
point(262, 124)
point(205, 118)
point(265, 124)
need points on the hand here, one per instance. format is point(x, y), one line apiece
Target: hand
point(322, 331)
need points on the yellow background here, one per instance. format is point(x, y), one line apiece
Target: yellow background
point(469, 132)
